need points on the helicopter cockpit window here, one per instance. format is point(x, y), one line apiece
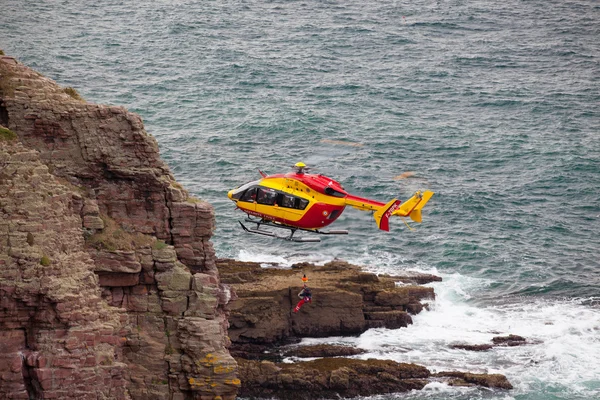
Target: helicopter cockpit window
point(238, 194)
point(249, 195)
point(266, 196)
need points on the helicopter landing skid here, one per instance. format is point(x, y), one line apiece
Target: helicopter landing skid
point(292, 230)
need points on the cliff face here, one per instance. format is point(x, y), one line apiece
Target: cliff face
point(108, 282)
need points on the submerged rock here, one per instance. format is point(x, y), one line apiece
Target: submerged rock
point(510, 340)
point(323, 350)
point(497, 381)
point(329, 378)
point(472, 347)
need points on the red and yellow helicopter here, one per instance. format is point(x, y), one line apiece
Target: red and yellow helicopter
point(308, 202)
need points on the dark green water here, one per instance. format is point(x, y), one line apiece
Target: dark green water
point(493, 105)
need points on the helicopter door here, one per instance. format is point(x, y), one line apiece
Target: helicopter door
point(248, 199)
point(293, 207)
point(266, 202)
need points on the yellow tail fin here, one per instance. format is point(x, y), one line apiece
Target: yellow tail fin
point(413, 206)
point(416, 216)
point(382, 215)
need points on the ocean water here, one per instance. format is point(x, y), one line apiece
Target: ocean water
point(493, 105)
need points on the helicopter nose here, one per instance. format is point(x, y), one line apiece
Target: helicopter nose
point(230, 194)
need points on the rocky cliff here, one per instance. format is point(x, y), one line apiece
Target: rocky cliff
point(108, 283)
point(109, 286)
point(346, 301)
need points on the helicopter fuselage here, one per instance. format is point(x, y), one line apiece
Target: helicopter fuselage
point(306, 201)
point(298, 200)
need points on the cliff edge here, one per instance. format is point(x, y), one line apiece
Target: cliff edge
point(108, 282)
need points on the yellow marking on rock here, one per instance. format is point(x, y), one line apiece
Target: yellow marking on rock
point(207, 360)
point(195, 384)
point(220, 369)
point(233, 382)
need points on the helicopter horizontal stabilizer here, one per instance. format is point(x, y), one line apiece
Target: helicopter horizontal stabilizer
point(415, 214)
point(413, 206)
point(382, 215)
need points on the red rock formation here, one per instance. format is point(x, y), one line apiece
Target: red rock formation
point(118, 295)
point(58, 337)
point(346, 301)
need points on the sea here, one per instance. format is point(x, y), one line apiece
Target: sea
point(493, 105)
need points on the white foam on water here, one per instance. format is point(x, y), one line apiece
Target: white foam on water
point(433, 390)
point(263, 258)
point(563, 340)
point(269, 259)
point(561, 359)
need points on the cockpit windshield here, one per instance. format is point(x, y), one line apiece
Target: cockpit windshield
point(237, 194)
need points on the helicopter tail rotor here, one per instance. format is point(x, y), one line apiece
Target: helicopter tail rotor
point(412, 207)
